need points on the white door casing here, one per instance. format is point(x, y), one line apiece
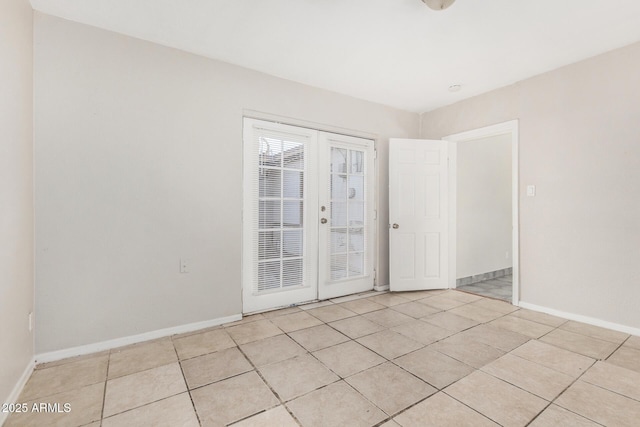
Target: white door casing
point(289, 255)
point(418, 214)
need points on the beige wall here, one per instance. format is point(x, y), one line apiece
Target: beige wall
point(483, 220)
point(139, 164)
point(580, 145)
point(16, 192)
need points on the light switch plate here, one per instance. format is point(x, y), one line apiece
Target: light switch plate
point(531, 190)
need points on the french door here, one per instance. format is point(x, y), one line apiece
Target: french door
point(308, 215)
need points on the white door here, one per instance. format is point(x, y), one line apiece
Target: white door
point(287, 250)
point(346, 215)
point(418, 214)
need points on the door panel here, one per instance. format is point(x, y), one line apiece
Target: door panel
point(418, 214)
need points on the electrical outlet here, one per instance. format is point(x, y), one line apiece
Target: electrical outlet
point(184, 266)
point(30, 321)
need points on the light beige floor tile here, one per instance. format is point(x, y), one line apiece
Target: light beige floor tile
point(470, 352)
point(495, 337)
point(253, 331)
point(296, 321)
point(85, 406)
point(65, 377)
point(463, 296)
point(495, 305)
point(477, 313)
point(442, 302)
point(422, 332)
point(522, 326)
point(245, 319)
point(389, 344)
point(415, 309)
point(271, 350)
point(315, 305)
point(348, 358)
point(614, 378)
point(555, 416)
point(532, 377)
point(390, 423)
point(565, 361)
point(416, 295)
point(450, 321)
point(435, 368)
point(71, 360)
point(348, 408)
point(578, 343)
point(400, 390)
point(356, 327)
point(346, 298)
point(387, 317)
point(280, 312)
point(595, 332)
point(233, 399)
point(199, 344)
point(132, 391)
point(318, 337)
point(536, 316)
point(501, 402)
point(627, 358)
point(389, 299)
point(361, 306)
point(632, 342)
point(212, 367)
point(142, 356)
point(331, 313)
point(440, 410)
point(276, 417)
point(600, 405)
point(294, 377)
point(173, 411)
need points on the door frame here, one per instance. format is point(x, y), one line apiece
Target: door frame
point(506, 128)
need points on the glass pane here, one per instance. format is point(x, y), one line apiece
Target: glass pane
point(268, 275)
point(356, 213)
point(356, 162)
point(269, 244)
point(270, 184)
point(292, 272)
point(269, 214)
point(293, 154)
point(338, 240)
point(338, 160)
point(356, 264)
point(270, 152)
point(338, 214)
point(356, 239)
point(293, 184)
point(338, 266)
point(356, 187)
point(292, 213)
point(338, 187)
point(292, 243)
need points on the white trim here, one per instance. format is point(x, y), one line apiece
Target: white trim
point(581, 318)
point(17, 389)
point(132, 339)
point(381, 288)
point(510, 127)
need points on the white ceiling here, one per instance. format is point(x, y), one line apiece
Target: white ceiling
point(394, 52)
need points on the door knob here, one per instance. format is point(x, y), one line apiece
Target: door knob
point(323, 220)
point(396, 226)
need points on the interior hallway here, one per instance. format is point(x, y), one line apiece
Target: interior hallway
point(431, 358)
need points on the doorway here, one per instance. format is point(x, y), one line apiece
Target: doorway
point(308, 215)
point(483, 178)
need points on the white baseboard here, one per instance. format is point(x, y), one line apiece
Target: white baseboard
point(580, 318)
point(17, 389)
point(381, 288)
point(132, 339)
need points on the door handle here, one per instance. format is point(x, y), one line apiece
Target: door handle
point(396, 226)
point(323, 220)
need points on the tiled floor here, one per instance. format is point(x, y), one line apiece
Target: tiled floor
point(500, 288)
point(439, 358)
